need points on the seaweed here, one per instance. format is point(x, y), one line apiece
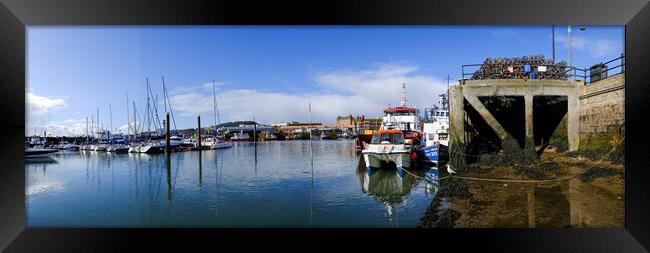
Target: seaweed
point(532, 173)
point(455, 187)
point(597, 172)
point(549, 166)
point(434, 218)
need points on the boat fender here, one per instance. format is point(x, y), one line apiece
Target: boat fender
point(413, 155)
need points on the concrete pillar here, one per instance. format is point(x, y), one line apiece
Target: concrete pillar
point(528, 100)
point(456, 126)
point(487, 116)
point(573, 122)
point(456, 115)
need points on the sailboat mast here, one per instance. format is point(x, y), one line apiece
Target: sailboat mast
point(110, 112)
point(128, 121)
point(135, 122)
point(168, 103)
point(214, 106)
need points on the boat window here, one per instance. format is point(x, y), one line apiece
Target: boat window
point(375, 138)
point(385, 137)
point(397, 137)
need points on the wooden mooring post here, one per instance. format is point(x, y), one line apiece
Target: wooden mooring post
point(198, 120)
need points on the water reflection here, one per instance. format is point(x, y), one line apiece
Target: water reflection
point(569, 203)
point(389, 188)
point(217, 188)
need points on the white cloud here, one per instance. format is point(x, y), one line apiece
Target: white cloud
point(38, 109)
point(345, 92)
point(39, 105)
point(594, 47)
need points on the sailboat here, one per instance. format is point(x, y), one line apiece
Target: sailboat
point(213, 142)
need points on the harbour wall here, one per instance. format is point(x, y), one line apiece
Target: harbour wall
point(602, 113)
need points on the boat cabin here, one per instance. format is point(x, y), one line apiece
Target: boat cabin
point(388, 137)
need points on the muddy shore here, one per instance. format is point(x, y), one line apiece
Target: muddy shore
point(558, 190)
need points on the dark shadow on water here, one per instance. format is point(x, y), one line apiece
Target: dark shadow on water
point(46, 159)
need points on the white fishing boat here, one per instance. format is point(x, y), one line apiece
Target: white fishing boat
point(39, 152)
point(436, 125)
point(393, 144)
point(387, 148)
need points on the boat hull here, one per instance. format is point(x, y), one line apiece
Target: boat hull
point(221, 145)
point(35, 152)
point(378, 160)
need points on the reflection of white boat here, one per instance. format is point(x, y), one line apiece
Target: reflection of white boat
point(39, 152)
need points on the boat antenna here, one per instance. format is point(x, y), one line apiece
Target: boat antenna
point(403, 102)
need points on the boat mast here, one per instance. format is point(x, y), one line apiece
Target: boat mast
point(135, 122)
point(148, 109)
point(214, 107)
point(128, 121)
point(168, 102)
point(110, 112)
point(403, 102)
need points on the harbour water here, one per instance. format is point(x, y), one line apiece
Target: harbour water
point(273, 185)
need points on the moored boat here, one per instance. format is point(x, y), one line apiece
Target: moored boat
point(387, 147)
point(39, 152)
point(241, 136)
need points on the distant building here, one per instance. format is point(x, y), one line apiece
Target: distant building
point(296, 127)
point(357, 123)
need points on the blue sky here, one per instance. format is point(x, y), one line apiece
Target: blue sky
point(268, 72)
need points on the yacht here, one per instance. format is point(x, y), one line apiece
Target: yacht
point(39, 152)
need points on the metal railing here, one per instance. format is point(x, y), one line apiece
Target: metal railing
point(571, 72)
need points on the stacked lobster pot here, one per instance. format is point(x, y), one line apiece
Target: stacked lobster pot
point(527, 67)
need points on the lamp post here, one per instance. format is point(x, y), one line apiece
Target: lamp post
point(570, 58)
point(573, 70)
point(553, 40)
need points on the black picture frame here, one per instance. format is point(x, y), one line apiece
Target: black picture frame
point(15, 15)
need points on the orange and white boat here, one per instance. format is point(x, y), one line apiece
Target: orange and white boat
point(394, 142)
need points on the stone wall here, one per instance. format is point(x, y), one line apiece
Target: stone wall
point(602, 112)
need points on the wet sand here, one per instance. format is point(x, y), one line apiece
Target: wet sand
point(585, 194)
